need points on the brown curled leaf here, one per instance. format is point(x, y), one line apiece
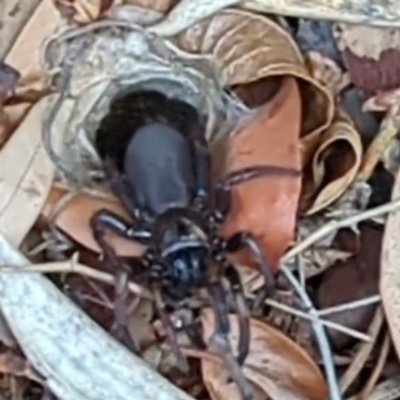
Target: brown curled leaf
point(8, 80)
point(83, 11)
point(252, 48)
point(334, 165)
point(276, 365)
point(267, 206)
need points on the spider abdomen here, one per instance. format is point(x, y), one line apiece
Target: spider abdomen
point(158, 165)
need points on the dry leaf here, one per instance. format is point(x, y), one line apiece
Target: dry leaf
point(26, 174)
point(139, 325)
point(383, 143)
point(267, 206)
point(390, 271)
point(82, 11)
point(275, 364)
point(249, 48)
point(74, 220)
point(25, 53)
point(334, 166)
point(10, 118)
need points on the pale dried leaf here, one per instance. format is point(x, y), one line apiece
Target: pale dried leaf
point(10, 118)
point(390, 272)
point(365, 41)
point(381, 144)
point(278, 366)
point(250, 47)
point(382, 14)
point(25, 54)
point(26, 175)
point(391, 157)
point(334, 166)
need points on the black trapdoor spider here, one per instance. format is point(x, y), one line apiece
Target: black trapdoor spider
point(163, 178)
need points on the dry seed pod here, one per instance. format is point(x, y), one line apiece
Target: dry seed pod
point(83, 11)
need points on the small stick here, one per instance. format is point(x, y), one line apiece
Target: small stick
point(350, 306)
point(328, 324)
point(363, 353)
point(377, 370)
point(320, 333)
point(70, 266)
point(333, 226)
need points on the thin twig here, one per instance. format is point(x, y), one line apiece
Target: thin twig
point(333, 226)
point(328, 324)
point(320, 333)
point(350, 306)
point(376, 373)
point(73, 267)
point(363, 353)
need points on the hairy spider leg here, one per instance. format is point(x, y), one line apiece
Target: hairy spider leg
point(241, 308)
point(220, 339)
point(241, 240)
point(168, 326)
point(105, 219)
point(202, 172)
point(121, 330)
point(121, 277)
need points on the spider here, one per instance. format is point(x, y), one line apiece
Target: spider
point(162, 174)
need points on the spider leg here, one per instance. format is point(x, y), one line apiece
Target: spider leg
point(219, 341)
point(120, 329)
point(105, 219)
point(241, 309)
point(241, 240)
point(222, 191)
point(99, 222)
point(169, 328)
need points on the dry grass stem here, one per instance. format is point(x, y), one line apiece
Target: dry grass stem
point(376, 373)
point(350, 306)
point(73, 267)
point(328, 324)
point(363, 353)
point(333, 226)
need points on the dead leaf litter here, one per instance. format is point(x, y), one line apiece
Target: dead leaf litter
point(277, 279)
